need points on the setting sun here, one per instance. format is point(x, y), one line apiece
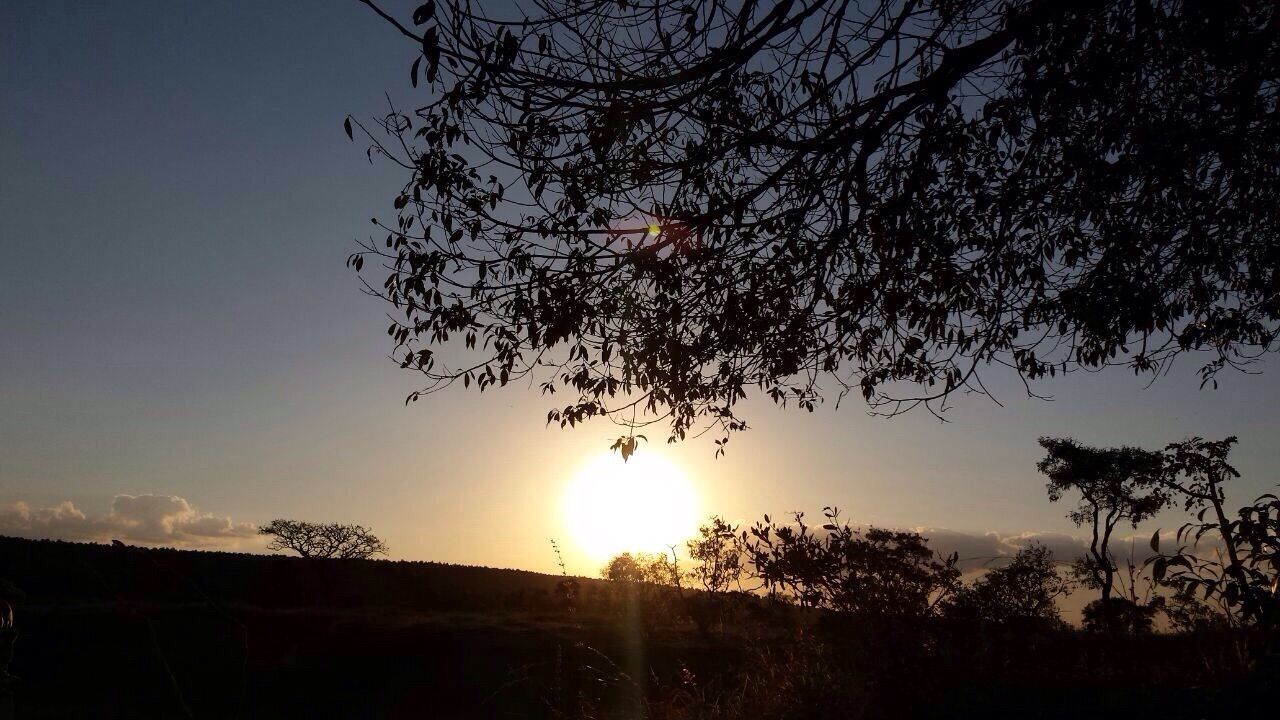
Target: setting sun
point(646, 504)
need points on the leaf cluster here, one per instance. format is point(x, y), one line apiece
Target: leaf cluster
point(660, 207)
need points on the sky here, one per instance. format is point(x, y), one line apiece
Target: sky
point(183, 354)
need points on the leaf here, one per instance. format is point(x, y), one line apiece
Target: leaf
point(1155, 541)
point(346, 125)
point(413, 71)
point(425, 12)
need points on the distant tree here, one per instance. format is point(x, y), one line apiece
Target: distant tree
point(640, 568)
point(1187, 612)
point(1118, 614)
point(623, 568)
point(660, 206)
point(871, 572)
point(647, 586)
point(323, 540)
point(1116, 485)
point(716, 556)
point(1026, 589)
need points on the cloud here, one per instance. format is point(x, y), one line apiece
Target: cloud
point(989, 549)
point(142, 519)
point(979, 549)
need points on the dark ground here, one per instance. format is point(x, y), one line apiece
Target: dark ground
point(130, 633)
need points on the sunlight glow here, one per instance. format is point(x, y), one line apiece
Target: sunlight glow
point(654, 229)
point(643, 505)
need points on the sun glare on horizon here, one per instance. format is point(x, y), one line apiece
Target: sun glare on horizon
point(644, 505)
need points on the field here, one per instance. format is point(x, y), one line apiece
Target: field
point(136, 633)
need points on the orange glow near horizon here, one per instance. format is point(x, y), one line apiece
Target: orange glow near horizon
point(644, 505)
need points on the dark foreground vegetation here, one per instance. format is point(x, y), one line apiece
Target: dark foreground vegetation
point(137, 633)
point(785, 618)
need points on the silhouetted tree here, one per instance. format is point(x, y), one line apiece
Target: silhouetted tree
point(648, 586)
point(871, 572)
point(323, 540)
point(1026, 589)
point(640, 567)
point(716, 556)
point(1242, 576)
point(1115, 484)
point(658, 206)
point(1118, 614)
point(1187, 612)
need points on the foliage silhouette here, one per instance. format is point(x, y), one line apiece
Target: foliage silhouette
point(323, 540)
point(657, 207)
point(1026, 590)
point(1118, 614)
point(1115, 484)
point(716, 556)
point(871, 572)
point(1243, 576)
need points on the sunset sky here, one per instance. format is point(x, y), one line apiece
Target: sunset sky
point(184, 355)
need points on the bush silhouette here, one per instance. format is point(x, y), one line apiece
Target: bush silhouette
point(1027, 589)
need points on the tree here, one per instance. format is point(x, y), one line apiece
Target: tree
point(323, 540)
point(639, 568)
point(872, 572)
point(648, 587)
point(1115, 485)
point(716, 556)
point(656, 207)
point(1118, 614)
point(1242, 576)
point(1026, 589)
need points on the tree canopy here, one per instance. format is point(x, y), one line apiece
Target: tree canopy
point(657, 207)
point(323, 540)
point(1116, 485)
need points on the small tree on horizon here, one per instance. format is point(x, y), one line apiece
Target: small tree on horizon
point(1116, 485)
point(323, 540)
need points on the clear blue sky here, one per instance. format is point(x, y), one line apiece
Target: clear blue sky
point(177, 199)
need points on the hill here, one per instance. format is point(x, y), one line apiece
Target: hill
point(52, 573)
point(157, 633)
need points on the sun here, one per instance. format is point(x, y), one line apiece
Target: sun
point(643, 505)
